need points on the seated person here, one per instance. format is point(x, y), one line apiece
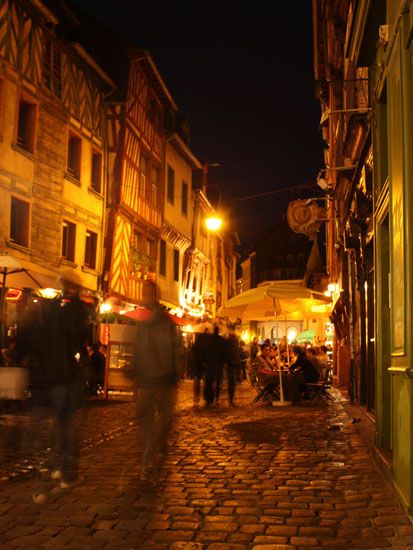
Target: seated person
point(265, 366)
point(303, 372)
point(9, 355)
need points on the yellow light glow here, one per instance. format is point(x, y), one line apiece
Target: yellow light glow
point(213, 222)
point(292, 334)
point(246, 336)
point(320, 309)
point(48, 293)
point(105, 308)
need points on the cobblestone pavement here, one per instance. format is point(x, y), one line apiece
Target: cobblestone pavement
point(235, 478)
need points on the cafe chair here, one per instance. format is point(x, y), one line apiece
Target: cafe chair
point(318, 390)
point(265, 393)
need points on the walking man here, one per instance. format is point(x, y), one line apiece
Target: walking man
point(214, 357)
point(50, 340)
point(157, 374)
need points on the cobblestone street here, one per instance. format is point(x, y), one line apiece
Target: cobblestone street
point(235, 478)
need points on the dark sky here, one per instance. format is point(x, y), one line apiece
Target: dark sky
point(244, 77)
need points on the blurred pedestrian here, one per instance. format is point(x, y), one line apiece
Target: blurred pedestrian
point(157, 373)
point(96, 376)
point(214, 360)
point(254, 349)
point(50, 339)
point(198, 363)
point(244, 360)
point(233, 361)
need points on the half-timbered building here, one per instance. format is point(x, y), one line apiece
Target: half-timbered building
point(135, 148)
point(52, 129)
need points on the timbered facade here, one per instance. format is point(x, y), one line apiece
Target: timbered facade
point(52, 128)
point(136, 151)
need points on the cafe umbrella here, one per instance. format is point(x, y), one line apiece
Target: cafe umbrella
point(275, 300)
point(10, 266)
point(305, 336)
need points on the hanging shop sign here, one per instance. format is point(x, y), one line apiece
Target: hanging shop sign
point(305, 216)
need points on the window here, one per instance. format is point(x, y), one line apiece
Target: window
point(176, 265)
point(184, 207)
point(152, 112)
point(171, 185)
point(96, 175)
point(162, 257)
point(137, 236)
point(52, 67)
point(150, 109)
point(68, 241)
point(142, 177)
point(26, 125)
point(90, 249)
point(73, 156)
point(19, 222)
point(155, 183)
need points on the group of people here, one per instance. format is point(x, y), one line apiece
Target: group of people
point(211, 356)
point(301, 368)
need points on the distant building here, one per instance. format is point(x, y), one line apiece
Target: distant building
point(281, 255)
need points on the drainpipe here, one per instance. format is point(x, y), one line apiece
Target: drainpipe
point(352, 384)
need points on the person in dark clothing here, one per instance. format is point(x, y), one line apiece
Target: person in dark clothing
point(49, 342)
point(254, 349)
point(157, 373)
point(97, 363)
point(198, 356)
point(302, 372)
point(214, 358)
point(233, 361)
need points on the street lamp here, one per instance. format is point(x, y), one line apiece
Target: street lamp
point(213, 222)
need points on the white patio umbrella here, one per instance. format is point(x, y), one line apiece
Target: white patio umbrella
point(276, 299)
point(10, 266)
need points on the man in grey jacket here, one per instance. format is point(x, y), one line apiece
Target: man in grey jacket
point(157, 374)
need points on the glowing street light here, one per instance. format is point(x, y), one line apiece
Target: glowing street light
point(213, 222)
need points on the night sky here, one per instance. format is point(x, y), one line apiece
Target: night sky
point(244, 77)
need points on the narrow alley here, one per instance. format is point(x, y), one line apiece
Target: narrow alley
point(236, 478)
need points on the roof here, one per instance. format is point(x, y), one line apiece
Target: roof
point(110, 50)
point(184, 151)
